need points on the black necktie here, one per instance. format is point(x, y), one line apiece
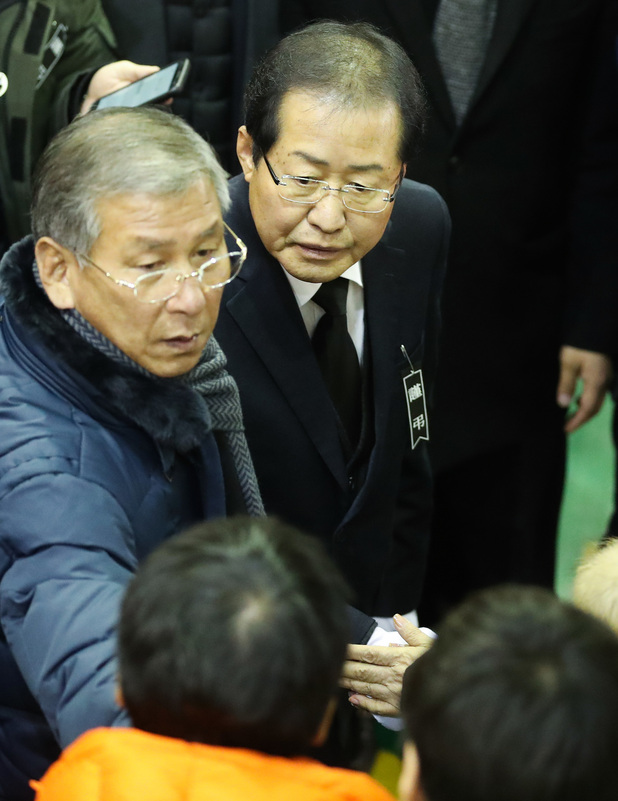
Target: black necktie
point(337, 355)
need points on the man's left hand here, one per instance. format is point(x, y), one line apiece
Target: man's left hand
point(374, 673)
point(595, 371)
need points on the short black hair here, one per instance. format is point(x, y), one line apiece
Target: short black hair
point(517, 699)
point(234, 633)
point(350, 64)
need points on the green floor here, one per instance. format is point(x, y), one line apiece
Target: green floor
point(588, 495)
point(585, 511)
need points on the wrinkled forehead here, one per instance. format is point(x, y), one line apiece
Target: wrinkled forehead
point(146, 218)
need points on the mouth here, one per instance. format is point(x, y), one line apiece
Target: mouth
point(183, 342)
point(319, 252)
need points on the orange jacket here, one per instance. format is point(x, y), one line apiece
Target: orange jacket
point(130, 765)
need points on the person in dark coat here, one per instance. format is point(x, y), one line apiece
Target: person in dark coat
point(507, 92)
point(323, 204)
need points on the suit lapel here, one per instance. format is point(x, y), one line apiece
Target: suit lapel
point(384, 297)
point(383, 270)
point(267, 313)
point(510, 16)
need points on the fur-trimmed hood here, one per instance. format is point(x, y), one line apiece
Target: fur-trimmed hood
point(168, 409)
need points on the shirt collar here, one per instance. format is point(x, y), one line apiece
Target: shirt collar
point(305, 290)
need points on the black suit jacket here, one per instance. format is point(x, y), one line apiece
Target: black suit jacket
point(377, 531)
point(508, 175)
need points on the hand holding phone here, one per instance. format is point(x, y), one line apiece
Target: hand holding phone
point(111, 77)
point(154, 88)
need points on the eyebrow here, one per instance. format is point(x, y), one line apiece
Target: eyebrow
point(157, 244)
point(322, 163)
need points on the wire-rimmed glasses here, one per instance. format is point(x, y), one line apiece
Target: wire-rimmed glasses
point(161, 285)
point(355, 197)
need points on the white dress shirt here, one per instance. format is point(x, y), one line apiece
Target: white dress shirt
point(311, 312)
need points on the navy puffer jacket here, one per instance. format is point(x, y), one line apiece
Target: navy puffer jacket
point(98, 465)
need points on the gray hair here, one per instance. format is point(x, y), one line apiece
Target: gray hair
point(111, 152)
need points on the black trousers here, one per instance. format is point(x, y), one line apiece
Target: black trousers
point(495, 521)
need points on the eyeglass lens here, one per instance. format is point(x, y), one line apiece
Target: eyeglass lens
point(164, 284)
point(357, 198)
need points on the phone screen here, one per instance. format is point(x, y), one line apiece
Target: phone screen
point(143, 91)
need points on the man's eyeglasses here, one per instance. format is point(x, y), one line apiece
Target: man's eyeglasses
point(354, 196)
point(161, 285)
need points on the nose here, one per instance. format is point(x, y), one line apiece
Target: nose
point(328, 214)
point(190, 297)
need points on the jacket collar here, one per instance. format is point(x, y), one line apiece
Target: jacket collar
point(168, 409)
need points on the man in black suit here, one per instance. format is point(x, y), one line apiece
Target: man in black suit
point(331, 121)
point(507, 107)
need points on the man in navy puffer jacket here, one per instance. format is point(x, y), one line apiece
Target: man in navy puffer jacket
point(119, 424)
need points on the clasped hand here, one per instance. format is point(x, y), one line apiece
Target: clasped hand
point(374, 674)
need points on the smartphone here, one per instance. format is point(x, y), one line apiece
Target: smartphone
point(152, 89)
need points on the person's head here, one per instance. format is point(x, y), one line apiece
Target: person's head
point(234, 633)
point(340, 103)
point(517, 699)
point(122, 193)
point(595, 588)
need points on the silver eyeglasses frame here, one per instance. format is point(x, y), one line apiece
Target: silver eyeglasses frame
point(179, 277)
point(280, 181)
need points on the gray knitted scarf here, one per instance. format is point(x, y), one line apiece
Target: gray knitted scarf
point(211, 380)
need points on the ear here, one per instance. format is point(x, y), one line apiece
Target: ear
point(244, 151)
point(319, 738)
point(410, 777)
point(54, 262)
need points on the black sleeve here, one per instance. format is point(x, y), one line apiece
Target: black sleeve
point(592, 322)
point(361, 626)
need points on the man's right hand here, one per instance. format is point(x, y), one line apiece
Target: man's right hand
point(595, 371)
